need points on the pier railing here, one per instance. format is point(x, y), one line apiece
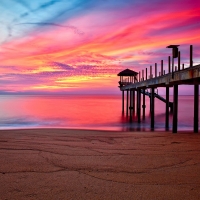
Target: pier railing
point(188, 76)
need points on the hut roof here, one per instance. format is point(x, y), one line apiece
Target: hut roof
point(127, 72)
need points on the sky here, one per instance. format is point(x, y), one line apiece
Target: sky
point(79, 46)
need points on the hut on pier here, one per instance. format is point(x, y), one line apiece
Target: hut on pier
point(127, 77)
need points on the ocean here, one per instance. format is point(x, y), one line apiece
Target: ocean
point(98, 112)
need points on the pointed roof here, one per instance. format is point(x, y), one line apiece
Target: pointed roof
point(127, 72)
point(173, 46)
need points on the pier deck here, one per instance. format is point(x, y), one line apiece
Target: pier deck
point(188, 76)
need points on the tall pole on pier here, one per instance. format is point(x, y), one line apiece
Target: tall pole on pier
point(146, 74)
point(191, 55)
point(155, 69)
point(169, 64)
point(179, 61)
point(174, 55)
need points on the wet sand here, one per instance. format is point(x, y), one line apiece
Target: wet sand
point(77, 164)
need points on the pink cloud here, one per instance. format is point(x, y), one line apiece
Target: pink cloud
point(112, 40)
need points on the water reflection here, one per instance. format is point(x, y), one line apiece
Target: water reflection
point(86, 111)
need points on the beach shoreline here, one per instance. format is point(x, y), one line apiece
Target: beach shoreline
point(94, 164)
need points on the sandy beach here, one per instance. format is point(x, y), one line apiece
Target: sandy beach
point(81, 164)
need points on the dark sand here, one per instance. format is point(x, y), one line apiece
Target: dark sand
point(74, 164)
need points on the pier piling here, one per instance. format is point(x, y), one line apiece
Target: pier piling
point(139, 105)
point(143, 106)
point(152, 107)
point(175, 109)
point(127, 99)
point(131, 105)
point(196, 108)
point(167, 109)
point(122, 101)
point(133, 102)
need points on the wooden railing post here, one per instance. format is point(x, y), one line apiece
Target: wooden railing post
point(191, 55)
point(179, 61)
point(169, 64)
point(155, 69)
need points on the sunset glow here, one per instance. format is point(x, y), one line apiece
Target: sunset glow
point(79, 46)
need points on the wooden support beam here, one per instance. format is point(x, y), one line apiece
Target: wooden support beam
point(172, 67)
point(143, 106)
point(175, 110)
point(150, 104)
point(127, 103)
point(167, 109)
point(196, 108)
point(123, 102)
point(133, 102)
point(139, 105)
point(152, 108)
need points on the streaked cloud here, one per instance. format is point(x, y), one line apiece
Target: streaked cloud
point(59, 44)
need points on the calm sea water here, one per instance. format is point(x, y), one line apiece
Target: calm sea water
point(102, 112)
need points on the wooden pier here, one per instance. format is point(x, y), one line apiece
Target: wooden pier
point(140, 82)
